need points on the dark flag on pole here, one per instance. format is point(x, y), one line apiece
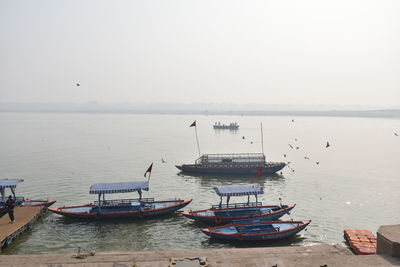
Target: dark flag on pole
point(193, 124)
point(149, 170)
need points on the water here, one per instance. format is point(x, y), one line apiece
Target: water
point(355, 185)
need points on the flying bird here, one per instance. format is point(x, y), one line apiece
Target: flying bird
point(163, 161)
point(295, 139)
point(297, 147)
point(396, 134)
point(243, 138)
point(291, 146)
point(78, 84)
point(306, 157)
point(292, 120)
point(317, 162)
point(284, 155)
point(327, 144)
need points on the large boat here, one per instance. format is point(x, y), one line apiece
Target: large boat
point(225, 213)
point(238, 163)
point(121, 208)
point(19, 201)
point(230, 126)
point(255, 229)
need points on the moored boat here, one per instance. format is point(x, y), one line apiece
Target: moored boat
point(237, 163)
point(255, 229)
point(19, 201)
point(121, 208)
point(230, 126)
point(225, 213)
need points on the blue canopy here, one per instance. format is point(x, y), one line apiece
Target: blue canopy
point(239, 190)
point(123, 187)
point(9, 183)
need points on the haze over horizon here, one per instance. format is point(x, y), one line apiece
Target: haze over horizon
point(331, 53)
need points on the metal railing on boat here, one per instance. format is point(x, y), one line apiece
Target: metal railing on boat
point(237, 205)
point(115, 202)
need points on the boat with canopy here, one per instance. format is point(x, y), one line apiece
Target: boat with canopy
point(19, 201)
point(224, 213)
point(120, 208)
point(256, 229)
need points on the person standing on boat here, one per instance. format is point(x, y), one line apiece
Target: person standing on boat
point(10, 204)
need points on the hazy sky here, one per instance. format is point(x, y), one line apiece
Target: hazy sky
point(272, 52)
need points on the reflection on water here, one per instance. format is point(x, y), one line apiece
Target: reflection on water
point(211, 180)
point(60, 155)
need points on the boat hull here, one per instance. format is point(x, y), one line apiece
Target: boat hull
point(268, 169)
point(230, 232)
point(211, 217)
point(86, 211)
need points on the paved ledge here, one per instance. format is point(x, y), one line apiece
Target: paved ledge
point(388, 240)
point(295, 256)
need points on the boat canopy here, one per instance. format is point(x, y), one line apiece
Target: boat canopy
point(9, 183)
point(123, 187)
point(239, 190)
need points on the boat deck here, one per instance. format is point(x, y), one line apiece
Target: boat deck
point(24, 218)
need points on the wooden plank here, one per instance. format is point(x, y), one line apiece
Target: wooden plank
point(24, 217)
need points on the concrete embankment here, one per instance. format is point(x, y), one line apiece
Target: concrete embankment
point(320, 255)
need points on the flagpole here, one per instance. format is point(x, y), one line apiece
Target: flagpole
point(197, 139)
point(262, 139)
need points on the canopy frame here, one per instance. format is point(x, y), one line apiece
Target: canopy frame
point(121, 187)
point(9, 183)
point(238, 190)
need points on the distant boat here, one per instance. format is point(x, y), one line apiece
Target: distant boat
point(255, 229)
point(19, 201)
point(231, 126)
point(225, 213)
point(121, 208)
point(237, 163)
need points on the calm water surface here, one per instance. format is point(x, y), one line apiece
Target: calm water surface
point(355, 185)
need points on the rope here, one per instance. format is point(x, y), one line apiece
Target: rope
point(60, 235)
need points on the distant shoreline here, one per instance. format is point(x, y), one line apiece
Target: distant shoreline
point(385, 113)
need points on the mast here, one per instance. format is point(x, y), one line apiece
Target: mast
point(262, 139)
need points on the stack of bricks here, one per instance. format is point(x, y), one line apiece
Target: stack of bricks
point(362, 242)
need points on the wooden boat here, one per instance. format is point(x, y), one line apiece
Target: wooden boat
point(231, 126)
point(251, 230)
point(237, 163)
point(120, 208)
point(225, 213)
point(19, 201)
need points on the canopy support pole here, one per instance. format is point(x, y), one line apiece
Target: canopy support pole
point(220, 202)
point(227, 200)
point(248, 199)
point(256, 199)
point(99, 199)
point(140, 194)
point(13, 192)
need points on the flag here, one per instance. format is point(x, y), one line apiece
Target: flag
point(193, 124)
point(259, 171)
point(148, 170)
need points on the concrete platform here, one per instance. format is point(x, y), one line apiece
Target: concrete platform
point(296, 256)
point(388, 240)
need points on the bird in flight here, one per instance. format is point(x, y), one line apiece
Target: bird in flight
point(78, 84)
point(327, 144)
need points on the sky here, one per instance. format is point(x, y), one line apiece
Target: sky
point(310, 52)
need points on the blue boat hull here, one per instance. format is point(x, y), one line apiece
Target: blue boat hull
point(200, 169)
point(227, 219)
point(258, 236)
